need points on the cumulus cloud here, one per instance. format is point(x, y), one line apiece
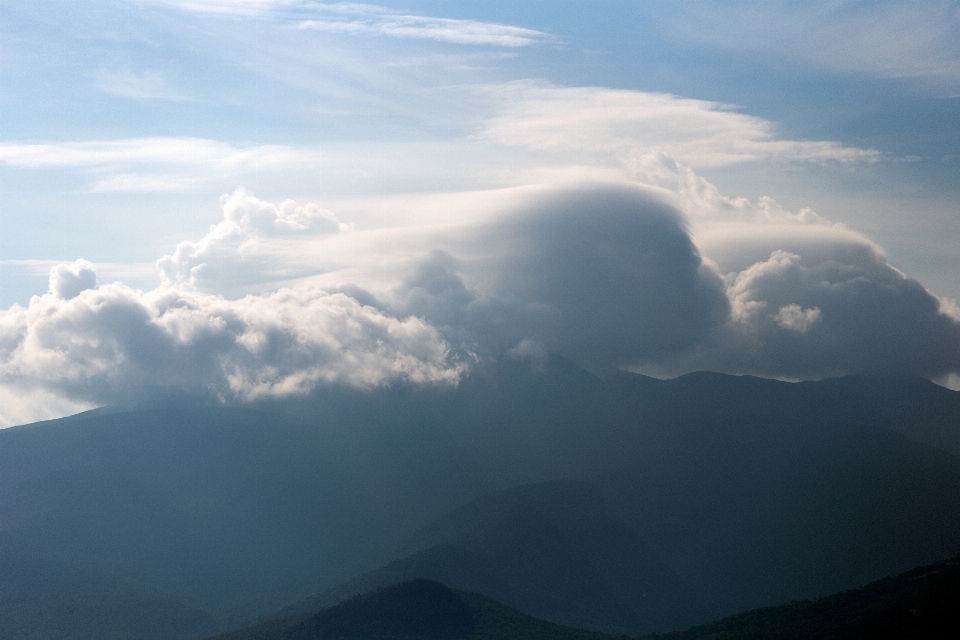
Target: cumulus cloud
point(111, 343)
point(809, 298)
point(792, 316)
point(69, 280)
point(238, 250)
point(842, 309)
point(609, 275)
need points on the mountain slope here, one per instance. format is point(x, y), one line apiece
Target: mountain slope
point(419, 609)
point(741, 491)
point(921, 603)
point(753, 516)
point(551, 550)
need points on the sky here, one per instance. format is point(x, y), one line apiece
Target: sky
point(249, 199)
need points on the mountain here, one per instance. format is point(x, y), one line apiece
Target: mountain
point(921, 603)
point(551, 550)
point(755, 516)
point(415, 610)
point(726, 492)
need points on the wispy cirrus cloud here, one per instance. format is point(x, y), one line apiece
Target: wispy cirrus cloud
point(155, 163)
point(228, 7)
point(149, 84)
point(368, 19)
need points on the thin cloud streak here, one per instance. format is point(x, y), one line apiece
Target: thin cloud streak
point(628, 123)
point(363, 19)
point(366, 19)
point(131, 165)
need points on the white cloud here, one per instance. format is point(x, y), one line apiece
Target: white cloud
point(242, 249)
point(111, 343)
point(69, 280)
point(835, 310)
point(149, 84)
point(196, 152)
point(132, 164)
point(793, 317)
point(369, 19)
point(629, 124)
point(227, 7)
point(31, 404)
point(277, 299)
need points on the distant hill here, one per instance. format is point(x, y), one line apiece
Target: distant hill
point(918, 604)
point(415, 610)
point(725, 493)
point(550, 550)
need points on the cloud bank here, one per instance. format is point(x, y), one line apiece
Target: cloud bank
point(611, 275)
point(111, 344)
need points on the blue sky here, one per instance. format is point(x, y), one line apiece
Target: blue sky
point(772, 127)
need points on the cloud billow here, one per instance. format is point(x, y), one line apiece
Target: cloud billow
point(111, 344)
point(607, 275)
point(833, 313)
point(616, 269)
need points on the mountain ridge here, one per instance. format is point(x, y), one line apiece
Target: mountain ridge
point(241, 511)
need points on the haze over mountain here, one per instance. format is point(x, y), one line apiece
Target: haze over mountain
point(679, 501)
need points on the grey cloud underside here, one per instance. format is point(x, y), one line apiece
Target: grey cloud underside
point(868, 317)
point(607, 276)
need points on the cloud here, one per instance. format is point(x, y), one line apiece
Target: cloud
point(110, 343)
point(835, 310)
point(69, 280)
point(610, 275)
point(611, 271)
point(369, 19)
point(237, 251)
point(630, 124)
point(795, 318)
point(809, 298)
point(868, 317)
point(606, 275)
point(185, 159)
point(227, 7)
point(139, 85)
